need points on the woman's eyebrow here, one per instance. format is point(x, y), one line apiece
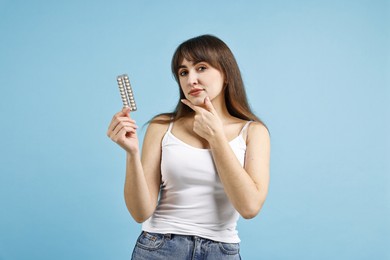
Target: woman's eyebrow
point(193, 64)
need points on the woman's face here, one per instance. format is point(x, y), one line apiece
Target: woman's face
point(200, 80)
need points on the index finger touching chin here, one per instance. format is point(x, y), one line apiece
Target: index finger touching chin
point(188, 103)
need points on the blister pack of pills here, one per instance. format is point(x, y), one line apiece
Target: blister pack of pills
point(126, 92)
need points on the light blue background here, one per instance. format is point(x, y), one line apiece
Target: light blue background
point(317, 72)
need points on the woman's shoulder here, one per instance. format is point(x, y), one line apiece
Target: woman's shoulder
point(159, 124)
point(163, 119)
point(257, 130)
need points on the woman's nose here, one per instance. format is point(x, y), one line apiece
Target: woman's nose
point(192, 78)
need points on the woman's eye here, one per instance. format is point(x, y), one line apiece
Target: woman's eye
point(183, 73)
point(202, 68)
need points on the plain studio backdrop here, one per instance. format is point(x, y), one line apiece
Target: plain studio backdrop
point(317, 72)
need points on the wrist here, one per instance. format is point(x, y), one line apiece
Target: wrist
point(132, 154)
point(218, 140)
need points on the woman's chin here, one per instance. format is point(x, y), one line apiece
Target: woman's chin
point(197, 101)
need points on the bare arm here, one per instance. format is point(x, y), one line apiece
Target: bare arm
point(142, 183)
point(246, 187)
point(143, 176)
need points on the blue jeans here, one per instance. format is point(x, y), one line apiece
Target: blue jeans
point(153, 246)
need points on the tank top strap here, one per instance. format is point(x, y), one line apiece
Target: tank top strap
point(245, 127)
point(170, 126)
point(166, 135)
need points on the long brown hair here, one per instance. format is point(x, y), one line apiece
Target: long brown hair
point(210, 49)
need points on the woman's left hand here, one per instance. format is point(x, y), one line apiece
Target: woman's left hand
point(207, 123)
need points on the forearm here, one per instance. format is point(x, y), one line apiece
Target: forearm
point(245, 195)
point(136, 191)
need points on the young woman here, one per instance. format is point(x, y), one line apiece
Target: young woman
point(201, 166)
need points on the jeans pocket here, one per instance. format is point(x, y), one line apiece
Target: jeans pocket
point(150, 241)
point(229, 248)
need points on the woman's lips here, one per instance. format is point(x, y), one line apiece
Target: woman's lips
point(195, 92)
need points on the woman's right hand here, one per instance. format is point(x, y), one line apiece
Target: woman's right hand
point(123, 131)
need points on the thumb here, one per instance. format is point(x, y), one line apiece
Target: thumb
point(126, 110)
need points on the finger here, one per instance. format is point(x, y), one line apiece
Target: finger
point(120, 114)
point(117, 121)
point(208, 105)
point(188, 103)
point(124, 125)
point(125, 131)
point(122, 135)
point(122, 131)
point(126, 110)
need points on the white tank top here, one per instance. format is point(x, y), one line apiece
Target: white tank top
point(192, 199)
